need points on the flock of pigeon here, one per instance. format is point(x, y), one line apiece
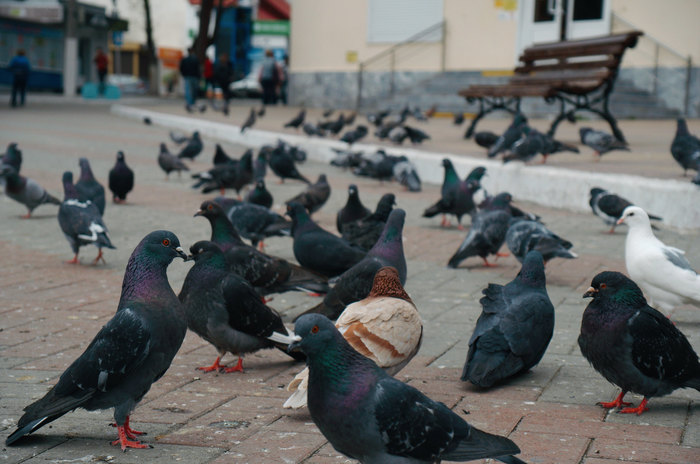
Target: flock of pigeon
point(366, 328)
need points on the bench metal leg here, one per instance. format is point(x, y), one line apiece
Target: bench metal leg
point(584, 104)
point(486, 106)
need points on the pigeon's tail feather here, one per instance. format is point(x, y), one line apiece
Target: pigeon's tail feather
point(692, 383)
point(486, 368)
point(510, 460)
point(304, 280)
point(29, 428)
point(467, 249)
point(212, 187)
point(48, 198)
point(298, 386)
point(480, 445)
point(655, 218)
point(434, 210)
point(281, 228)
point(298, 175)
point(296, 355)
point(103, 241)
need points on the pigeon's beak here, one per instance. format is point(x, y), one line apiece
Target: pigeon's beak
point(294, 346)
point(620, 221)
point(181, 253)
point(199, 213)
point(590, 293)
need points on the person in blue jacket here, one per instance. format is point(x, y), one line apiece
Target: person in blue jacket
point(19, 67)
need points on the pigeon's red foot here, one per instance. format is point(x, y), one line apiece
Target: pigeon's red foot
point(237, 368)
point(261, 246)
point(214, 367)
point(281, 181)
point(544, 159)
point(638, 410)
point(460, 227)
point(125, 443)
point(99, 257)
point(223, 191)
point(502, 255)
point(612, 230)
point(617, 403)
point(74, 260)
point(130, 433)
point(314, 294)
point(487, 264)
point(27, 216)
point(445, 222)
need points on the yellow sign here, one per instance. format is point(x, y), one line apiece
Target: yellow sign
point(351, 56)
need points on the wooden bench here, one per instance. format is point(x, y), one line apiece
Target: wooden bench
point(579, 74)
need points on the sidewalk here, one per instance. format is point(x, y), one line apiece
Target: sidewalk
point(49, 312)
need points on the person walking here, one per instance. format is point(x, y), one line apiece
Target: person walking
point(285, 79)
point(19, 68)
point(269, 78)
point(222, 76)
point(208, 75)
point(189, 68)
point(101, 62)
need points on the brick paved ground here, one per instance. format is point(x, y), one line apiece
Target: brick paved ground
point(49, 312)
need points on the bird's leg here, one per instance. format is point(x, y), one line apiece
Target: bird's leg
point(74, 260)
point(314, 294)
point(27, 216)
point(99, 257)
point(596, 156)
point(130, 433)
point(616, 403)
point(214, 367)
point(223, 191)
point(502, 255)
point(445, 222)
point(124, 441)
point(638, 410)
point(261, 246)
point(612, 229)
point(281, 181)
point(237, 368)
point(487, 264)
point(544, 159)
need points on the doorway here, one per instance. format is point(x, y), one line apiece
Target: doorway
point(553, 20)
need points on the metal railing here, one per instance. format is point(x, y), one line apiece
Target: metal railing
point(383, 67)
point(668, 72)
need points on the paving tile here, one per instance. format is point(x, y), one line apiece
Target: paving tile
point(640, 451)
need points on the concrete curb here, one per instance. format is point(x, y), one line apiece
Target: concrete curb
point(548, 186)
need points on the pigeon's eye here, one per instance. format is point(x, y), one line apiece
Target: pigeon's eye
point(314, 329)
point(631, 214)
point(210, 207)
point(166, 242)
point(603, 286)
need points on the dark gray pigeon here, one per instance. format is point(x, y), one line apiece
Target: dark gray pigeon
point(457, 119)
point(283, 165)
point(633, 345)
point(406, 174)
point(314, 196)
point(317, 249)
point(685, 148)
point(260, 165)
point(169, 162)
point(260, 195)
point(353, 209)
point(267, 274)
point(485, 139)
point(193, 148)
point(600, 142)
point(297, 121)
point(234, 175)
point(356, 283)
point(12, 157)
point(457, 196)
point(250, 121)
point(121, 179)
point(226, 311)
point(486, 235)
point(365, 232)
point(132, 351)
point(514, 329)
point(354, 135)
point(525, 235)
point(254, 222)
point(81, 221)
point(609, 207)
point(374, 418)
point(509, 137)
point(88, 188)
point(25, 190)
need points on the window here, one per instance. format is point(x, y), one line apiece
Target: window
point(588, 9)
point(390, 21)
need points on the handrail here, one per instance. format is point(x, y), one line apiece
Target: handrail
point(412, 39)
point(652, 38)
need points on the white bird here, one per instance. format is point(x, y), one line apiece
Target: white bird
point(660, 270)
point(385, 327)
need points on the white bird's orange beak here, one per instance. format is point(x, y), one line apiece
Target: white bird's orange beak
point(620, 221)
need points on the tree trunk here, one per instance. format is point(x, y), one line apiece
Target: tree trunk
point(153, 77)
point(202, 40)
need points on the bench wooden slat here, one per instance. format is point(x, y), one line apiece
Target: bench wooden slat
point(554, 78)
point(588, 64)
point(476, 91)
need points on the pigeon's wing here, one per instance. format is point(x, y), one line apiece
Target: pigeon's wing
point(666, 268)
point(80, 220)
point(659, 349)
point(612, 205)
point(250, 315)
point(529, 320)
point(677, 258)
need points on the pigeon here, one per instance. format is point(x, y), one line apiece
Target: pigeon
point(353, 209)
point(318, 249)
point(600, 142)
point(130, 352)
point(121, 179)
point(457, 119)
point(221, 157)
point(147, 121)
point(346, 158)
point(354, 135)
point(503, 202)
point(457, 196)
point(385, 327)
point(609, 207)
point(633, 345)
point(416, 136)
point(193, 147)
point(334, 127)
point(406, 174)
point(372, 417)
point(350, 120)
point(232, 176)
point(178, 137)
point(377, 166)
point(356, 283)
point(662, 271)
point(485, 139)
point(486, 235)
point(169, 162)
point(282, 164)
point(261, 112)
point(25, 190)
point(365, 232)
point(312, 129)
point(88, 188)
point(225, 310)
point(476, 174)
point(249, 122)
point(529, 145)
point(81, 221)
point(514, 329)
point(685, 148)
point(254, 222)
point(315, 195)
point(267, 274)
point(509, 137)
point(298, 120)
point(525, 235)
point(327, 112)
point(12, 157)
point(378, 118)
point(260, 165)
point(260, 195)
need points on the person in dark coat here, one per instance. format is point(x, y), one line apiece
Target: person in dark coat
point(222, 77)
point(101, 63)
point(19, 68)
point(189, 68)
point(269, 78)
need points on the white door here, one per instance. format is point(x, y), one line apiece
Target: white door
point(541, 20)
